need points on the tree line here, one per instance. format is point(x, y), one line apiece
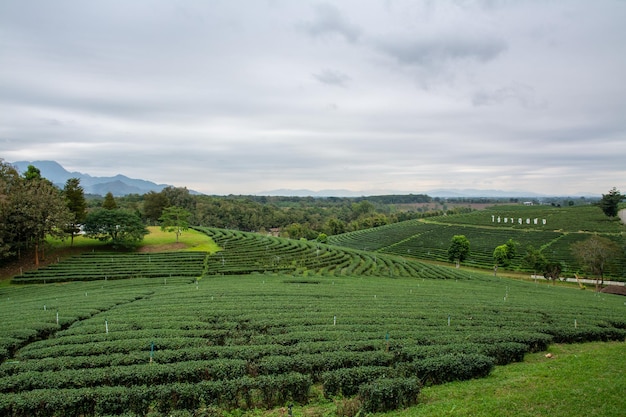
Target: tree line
point(33, 208)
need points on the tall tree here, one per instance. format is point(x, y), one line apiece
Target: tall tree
point(609, 203)
point(552, 271)
point(459, 249)
point(534, 260)
point(10, 183)
point(40, 211)
point(119, 227)
point(175, 219)
point(153, 205)
point(595, 255)
point(179, 196)
point(77, 205)
point(109, 202)
point(503, 254)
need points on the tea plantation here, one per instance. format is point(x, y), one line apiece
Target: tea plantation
point(265, 322)
point(550, 229)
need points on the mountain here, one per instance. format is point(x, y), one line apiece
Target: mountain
point(470, 192)
point(446, 193)
point(118, 185)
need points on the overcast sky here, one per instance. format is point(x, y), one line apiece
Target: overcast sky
point(239, 97)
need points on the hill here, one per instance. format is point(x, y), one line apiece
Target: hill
point(118, 185)
point(550, 229)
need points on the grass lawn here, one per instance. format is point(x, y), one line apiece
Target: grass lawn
point(159, 240)
point(579, 380)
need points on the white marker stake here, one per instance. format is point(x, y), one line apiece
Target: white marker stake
point(334, 320)
point(57, 317)
point(448, 320)
point(106, 326)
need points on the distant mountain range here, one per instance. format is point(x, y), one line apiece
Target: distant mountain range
point(445, 193)
point(118, 185)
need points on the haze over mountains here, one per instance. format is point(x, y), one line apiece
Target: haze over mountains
point(120, 185)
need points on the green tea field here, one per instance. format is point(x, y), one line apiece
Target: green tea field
point(265, 323)
point(550, 229)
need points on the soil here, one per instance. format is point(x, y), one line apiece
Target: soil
point(614, 289)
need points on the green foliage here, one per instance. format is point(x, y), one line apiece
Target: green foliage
point(76, 204)
point(595, 254)
point(609, 204)
point(119, 227)
point(262, 336)
point(459, 249)
point(175, 219)
point(552, 270)
point(388, 394)
point(109, 202)
point(534, 260)
point(501, 255)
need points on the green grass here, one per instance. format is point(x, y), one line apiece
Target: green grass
point(579, 380)
point(191, 239)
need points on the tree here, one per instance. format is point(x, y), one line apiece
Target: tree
point(175, 219)
point(10, 183)
point(179, 196)
point(334, 226)
point(109, 202)
point(153, 205)
point(75, 201)
point(552, 270)
point(119, 227)
point(459, 249)
point(595, 254)
point(534, 260)
point(38, 210)
point(609, 203)
point(503, 254)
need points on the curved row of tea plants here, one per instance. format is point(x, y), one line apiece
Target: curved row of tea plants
point(245, 253)
point(263, 340)
point(430, 239)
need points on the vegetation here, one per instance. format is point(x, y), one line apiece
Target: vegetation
point(610, 202)
point(459, 249)
point(264, 340)
point(118, 227)
point(232, 321)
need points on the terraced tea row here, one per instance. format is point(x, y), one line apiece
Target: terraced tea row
point(430, 240)
point(245, 253)
point(263, 340)
point(104, 266)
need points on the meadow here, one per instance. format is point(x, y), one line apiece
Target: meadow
point(263, 322)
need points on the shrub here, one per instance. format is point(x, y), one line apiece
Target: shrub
point(389, 394)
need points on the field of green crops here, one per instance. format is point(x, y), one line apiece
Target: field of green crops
point(429, 239)
point(266, 322)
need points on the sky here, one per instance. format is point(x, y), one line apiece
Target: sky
point(374, 96)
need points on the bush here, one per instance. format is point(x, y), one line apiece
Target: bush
point(450, 367)
point(389, 394)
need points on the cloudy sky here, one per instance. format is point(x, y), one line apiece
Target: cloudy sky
point(234, 96)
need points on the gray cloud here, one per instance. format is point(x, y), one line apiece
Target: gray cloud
point(329, 20)
point(332, 77)
point(438, 51)
point(234, 97)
